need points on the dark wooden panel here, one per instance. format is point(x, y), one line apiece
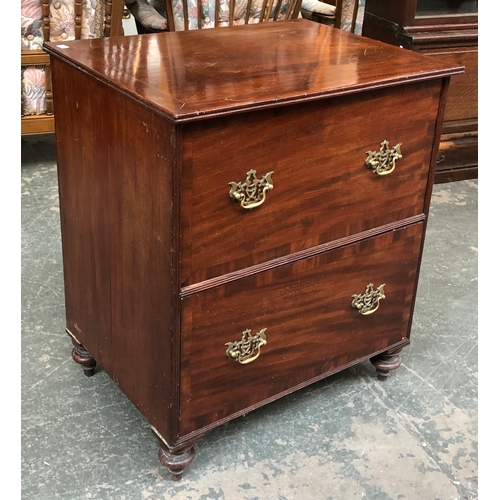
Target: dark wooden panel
point(194, 74)
point(322, 189)
point(83, 179)
point(462, 101)
point(117, 214)
point(401, 12)
point(311, 326)
point(458, 151)
point(455, 174)
point(445, 34)
point(143, 282)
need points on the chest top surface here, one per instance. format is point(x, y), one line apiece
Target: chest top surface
point(191, 75)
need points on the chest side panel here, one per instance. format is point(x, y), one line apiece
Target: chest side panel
point(117, 206)
point(83, 186)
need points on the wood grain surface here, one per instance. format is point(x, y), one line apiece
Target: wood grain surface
point(311, 327)
point(202, 73)
point(322, 191)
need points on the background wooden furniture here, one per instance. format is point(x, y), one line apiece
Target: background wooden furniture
point(235, 12)
point(214, 260)
point(348, 16)
point(435, 28)
point(40, 25)
point(204, 14)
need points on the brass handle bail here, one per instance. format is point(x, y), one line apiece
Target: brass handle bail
point(383, 162)
point(252, 192)
point(368, 302)
point(247, 349)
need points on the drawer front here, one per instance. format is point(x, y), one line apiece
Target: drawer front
point(322, 189)
point(310, 325)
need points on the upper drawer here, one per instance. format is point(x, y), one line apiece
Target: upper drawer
point(322, 189)
point(310, 324)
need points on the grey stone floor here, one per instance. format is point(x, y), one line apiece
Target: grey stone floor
point(414, 437)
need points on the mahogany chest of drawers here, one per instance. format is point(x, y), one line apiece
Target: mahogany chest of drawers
point(240, 208)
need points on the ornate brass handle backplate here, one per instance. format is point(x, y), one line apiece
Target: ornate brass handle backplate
point(368, 302)
point(383, 162)
point(247, 349)
point(252, 192)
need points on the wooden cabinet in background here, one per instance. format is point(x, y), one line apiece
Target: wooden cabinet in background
point(440, 28)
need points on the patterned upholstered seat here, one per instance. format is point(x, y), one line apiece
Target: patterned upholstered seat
point(54, 20)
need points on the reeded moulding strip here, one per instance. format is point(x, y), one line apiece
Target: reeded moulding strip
point(303, 254)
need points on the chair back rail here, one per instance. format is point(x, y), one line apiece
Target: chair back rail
point(269, 11)
point(347, 14)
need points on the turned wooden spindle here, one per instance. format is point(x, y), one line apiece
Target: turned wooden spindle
point(83, 358)
point(78, 19)
point(386, 362)
point(177, 461)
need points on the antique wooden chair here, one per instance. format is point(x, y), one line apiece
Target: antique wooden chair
point(55, 21)
point(348, 15)
point(220, 13)
point(209, 13)
point(163, 15)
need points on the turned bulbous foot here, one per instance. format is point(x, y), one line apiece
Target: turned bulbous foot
point(176, 461)
point(386, 362)
point(83, 358)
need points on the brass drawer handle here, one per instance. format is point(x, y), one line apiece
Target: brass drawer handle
point(252, 192)
point(368, 302)
point(247, 349)
point(383, 162)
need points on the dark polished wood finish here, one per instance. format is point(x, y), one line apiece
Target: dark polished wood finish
point(311, 327)
point(324, 64)
point(175, 462)
point(216, 242)
point(163, 270)
point(82, 357)
point(385, 362)
point(439, 32)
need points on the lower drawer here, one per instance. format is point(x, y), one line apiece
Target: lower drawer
point(311, 327)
